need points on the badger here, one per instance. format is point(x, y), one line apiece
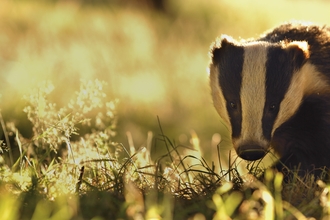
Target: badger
point(274, 93)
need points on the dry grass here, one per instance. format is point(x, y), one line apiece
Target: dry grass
point(57, 176)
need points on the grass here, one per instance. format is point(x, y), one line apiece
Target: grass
point(61, 174)
point(71, 150)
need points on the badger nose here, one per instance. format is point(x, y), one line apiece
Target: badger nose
point(251, 152)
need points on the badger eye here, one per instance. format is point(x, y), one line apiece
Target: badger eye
point(272, 107)
point(233, 105)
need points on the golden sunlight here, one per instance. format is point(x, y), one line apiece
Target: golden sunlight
point(142, 87)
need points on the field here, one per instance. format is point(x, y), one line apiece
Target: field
point(106, 113)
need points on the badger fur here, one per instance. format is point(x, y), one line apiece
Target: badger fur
point(274, 93)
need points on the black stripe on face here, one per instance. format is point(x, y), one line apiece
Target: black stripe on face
point(280, 67)
point(229, 59)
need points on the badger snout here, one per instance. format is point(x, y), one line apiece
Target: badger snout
point(251, 152)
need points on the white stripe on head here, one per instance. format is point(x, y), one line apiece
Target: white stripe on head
point(218, 98)
point(306, 81)
point(253, 93)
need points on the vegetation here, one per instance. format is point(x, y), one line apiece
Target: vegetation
point(59, 174)
point(71, 150)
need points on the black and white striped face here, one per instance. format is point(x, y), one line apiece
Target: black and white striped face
point(256, 87)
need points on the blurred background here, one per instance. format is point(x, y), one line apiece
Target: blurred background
point(153, 54)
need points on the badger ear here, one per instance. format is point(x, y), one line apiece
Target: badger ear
point(299, 52)
point(219, 46)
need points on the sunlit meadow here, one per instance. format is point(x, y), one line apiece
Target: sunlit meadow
point(106, 113)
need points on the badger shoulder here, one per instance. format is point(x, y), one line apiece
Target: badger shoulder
point(298, 31)
point(316, 36)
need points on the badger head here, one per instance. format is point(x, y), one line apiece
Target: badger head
point(257, 86)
